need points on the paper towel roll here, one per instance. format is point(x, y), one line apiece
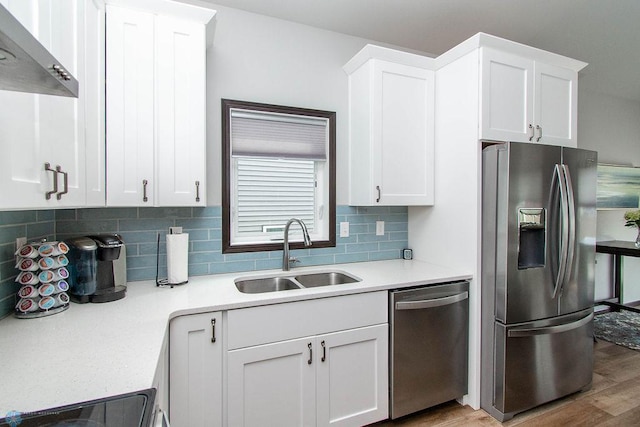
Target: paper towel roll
point(177, 258)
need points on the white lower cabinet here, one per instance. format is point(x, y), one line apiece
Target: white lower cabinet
point(319, 362)
point(195, 370)
point(336, 379)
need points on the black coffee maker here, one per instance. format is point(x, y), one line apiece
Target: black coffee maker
point(107, 258)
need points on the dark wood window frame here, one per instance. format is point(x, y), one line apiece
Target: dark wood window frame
point(227, 105)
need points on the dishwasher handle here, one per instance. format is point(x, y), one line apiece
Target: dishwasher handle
point(431, 303)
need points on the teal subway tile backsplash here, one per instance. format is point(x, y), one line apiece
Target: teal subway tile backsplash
point(140, 227)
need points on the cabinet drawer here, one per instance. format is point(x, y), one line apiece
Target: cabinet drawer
point(278, 322)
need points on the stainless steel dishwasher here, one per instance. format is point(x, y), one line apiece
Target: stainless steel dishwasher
point(429, 346)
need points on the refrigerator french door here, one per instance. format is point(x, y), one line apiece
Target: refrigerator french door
point(538, 260)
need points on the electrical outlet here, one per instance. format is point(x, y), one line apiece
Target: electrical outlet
point(20, 242)
point(379, 228)
point(344, 229)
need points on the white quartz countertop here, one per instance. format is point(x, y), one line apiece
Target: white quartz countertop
point(91, 351)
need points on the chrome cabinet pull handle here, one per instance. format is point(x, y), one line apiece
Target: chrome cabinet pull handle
point(65, 187)
point(213, 330)
point(378, 189)
point(144, 190)
point(197, 191)
point(532, 132)
point(539, 132)
point(310, 354)
point(48, 194)
point(324, 352)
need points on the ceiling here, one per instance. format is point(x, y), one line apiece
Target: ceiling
point(604, 33)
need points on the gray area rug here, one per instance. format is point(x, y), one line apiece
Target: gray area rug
point(622, 328)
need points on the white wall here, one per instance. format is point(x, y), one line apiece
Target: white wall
point(611, 126)
point(261, 59)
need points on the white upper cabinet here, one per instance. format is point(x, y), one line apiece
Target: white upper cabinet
point(527, 100)
point(156, 88)
point(391, 128)
point(41, 130)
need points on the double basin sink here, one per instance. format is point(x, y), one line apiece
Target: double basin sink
point(297, 281)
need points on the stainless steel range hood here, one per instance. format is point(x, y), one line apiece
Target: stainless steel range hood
point(26, 66)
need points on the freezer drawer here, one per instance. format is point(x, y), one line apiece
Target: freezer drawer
point(538, 362)
point(429, 346)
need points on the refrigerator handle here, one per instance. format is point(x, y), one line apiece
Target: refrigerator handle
point(564, 235)
point(431, 303)
point(529, 332)
point(571, 243)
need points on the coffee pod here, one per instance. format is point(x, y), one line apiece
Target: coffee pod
point(46, 276)
point(27, 251)
point(46, 249)
point(61, 286)
point(28, 291)
point(61, 299)
point(27, 278)
point(26, 305)
point(46, 289)
point(47, 303)
point(61, 274)
point(28, 264)
point(62, 260)
point(47, 263)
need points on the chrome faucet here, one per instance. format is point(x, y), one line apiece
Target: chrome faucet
point(286, 260)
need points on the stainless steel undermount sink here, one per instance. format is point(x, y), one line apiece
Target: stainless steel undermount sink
point(284, 283)
point(325, 279)
point(265, 284)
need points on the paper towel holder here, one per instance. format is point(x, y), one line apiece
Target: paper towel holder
point(163, 282)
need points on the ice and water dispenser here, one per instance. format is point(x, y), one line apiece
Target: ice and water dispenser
point(532, 238)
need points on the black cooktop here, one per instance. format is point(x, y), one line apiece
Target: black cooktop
point(125, 410)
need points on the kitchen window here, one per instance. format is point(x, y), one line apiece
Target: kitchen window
point(278, 164)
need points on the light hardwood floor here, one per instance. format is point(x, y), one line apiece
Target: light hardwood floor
point(614, 400)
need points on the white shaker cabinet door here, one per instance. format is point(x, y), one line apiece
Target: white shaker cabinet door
point(352, 377)
point(62, 118)
point(130, 107)
point(45, 129)
point(93, 89)
point(272, 385)
point(180, 100)
point(556, 108)
point(195, 370)
point(403, 134)
point(506, 108)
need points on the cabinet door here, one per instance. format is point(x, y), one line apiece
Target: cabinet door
point(403, 134)
point(195, 370)
point(272, 384)
point(43, 128)
point(352, 376)
point(556, 106)
point(180, 100)
point(130, 107)
point(93, 88)
point(506, 107)
point(62, 118)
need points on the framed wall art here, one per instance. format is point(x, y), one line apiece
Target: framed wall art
point(618, 187)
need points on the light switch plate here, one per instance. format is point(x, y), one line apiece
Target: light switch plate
point(379, 228)
point(344, 229)
point(20, 242)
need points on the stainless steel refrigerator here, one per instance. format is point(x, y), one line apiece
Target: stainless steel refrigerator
point(538, 262)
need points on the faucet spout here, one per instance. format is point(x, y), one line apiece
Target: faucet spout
point(286, 259)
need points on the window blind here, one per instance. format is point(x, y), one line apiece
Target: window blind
point(258, 133)
point(271, 191)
